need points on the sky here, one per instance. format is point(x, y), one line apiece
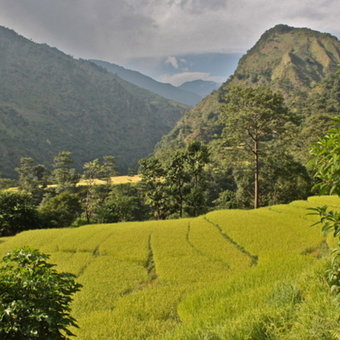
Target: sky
point(119, 31)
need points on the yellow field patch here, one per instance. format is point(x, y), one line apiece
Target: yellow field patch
point(208, 277)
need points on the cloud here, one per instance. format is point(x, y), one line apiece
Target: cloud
point(173, 62)
point(116, 30)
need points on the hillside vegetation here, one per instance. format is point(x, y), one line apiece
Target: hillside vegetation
point(230, 274)
point(51, 102)
point(298, 62)
point(178, 94)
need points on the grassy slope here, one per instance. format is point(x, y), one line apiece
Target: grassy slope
point(230, 274)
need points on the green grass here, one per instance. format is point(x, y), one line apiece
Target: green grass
point(230, 274)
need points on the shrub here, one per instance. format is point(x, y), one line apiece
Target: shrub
point(60, 211)
point(34, 297)
point(17, 213)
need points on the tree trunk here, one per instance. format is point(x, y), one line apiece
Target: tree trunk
point(256, 187)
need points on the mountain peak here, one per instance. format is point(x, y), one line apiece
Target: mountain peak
point(288, 58)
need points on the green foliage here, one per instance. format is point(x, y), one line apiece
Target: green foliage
point(72, 104)
point(32, 178)
point(34, 298)
point(326, 162)
point(178, 186)
point(122, 204)
point(252, 118)
point(154, 187)
point(17, 213)
point(298, 62)
point(92, 171)
point(63, 175)
point(60, 211)
point(6, 183)
point(283, 179)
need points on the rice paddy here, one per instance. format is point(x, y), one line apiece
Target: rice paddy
point(218, 276)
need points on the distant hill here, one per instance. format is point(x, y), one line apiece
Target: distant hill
point(50, 102)
point(178, 66)
point(299, 62)
point(168, 91)
point(200, 87)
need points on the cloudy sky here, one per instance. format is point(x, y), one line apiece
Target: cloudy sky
point(118, 30)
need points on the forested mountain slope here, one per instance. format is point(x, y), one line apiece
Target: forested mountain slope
point(168, 91)
point(298, 62)
point(50, 102)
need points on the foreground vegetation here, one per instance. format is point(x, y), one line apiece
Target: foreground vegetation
point(230, 274)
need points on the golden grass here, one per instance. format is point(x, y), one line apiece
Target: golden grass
point(181, 279)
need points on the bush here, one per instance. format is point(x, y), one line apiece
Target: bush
point(60, 211)
point(34, 298)
point(17, 213)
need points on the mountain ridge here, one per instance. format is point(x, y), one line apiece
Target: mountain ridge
point(165, 90)
point(291, 60)
point(51, 102)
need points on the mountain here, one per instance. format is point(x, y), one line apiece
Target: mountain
point(177, 69)
point(50, 102)
point(168, 91)
point(295, 61)
point(200, 87)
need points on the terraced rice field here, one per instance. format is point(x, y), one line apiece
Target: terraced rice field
point(210, 277)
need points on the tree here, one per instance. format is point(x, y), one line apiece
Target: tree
point(60, 211)
point(122, 204)
point(17, 213)
point(153, 187)
point(63, 175)
point(186, 179)
point(326, 162)
point(253, 116)
point(109, 168)
point(34, 298)
point(282, 178)
point(93, 171)
point(33, 177)
point(178, 186)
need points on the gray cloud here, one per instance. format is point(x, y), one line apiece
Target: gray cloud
point(198, 6)
point(117, 30)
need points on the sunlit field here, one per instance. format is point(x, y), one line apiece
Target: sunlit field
point(230, 274)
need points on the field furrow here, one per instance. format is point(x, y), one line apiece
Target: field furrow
point(184, 279)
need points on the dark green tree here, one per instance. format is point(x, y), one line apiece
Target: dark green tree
point(122, 204)
point(326, 162)
point(33, 178)
point(153, 187)
point(34, 298)
point(93, 171)
point(63, 175)
point(177, 178)
point(186, 179)
point(27, 180)
point(177, 186)
point(60, 211)
point(17, 213)
point(252, 117)
point(109, 168)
